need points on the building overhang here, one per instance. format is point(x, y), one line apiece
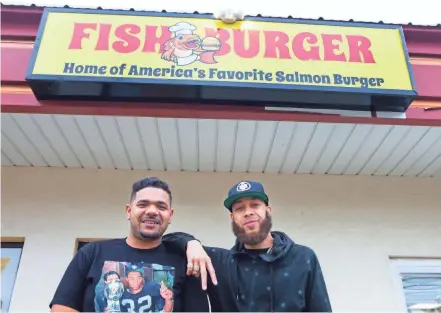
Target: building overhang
point(216, 136)
point(20, 26)
point(219, 145)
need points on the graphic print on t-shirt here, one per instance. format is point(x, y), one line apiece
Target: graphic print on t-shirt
point(135, 287)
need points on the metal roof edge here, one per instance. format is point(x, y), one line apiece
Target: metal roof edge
point(33, 7)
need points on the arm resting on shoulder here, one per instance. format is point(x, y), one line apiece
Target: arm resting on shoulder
point(210, 258)
point(179, 241)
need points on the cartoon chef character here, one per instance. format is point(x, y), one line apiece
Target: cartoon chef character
point(184, 47)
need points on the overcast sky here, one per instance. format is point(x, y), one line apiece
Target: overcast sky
point(421, 12)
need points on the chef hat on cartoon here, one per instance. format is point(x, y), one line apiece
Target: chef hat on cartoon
point(182, 28)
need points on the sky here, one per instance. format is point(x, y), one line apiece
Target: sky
point(420, 12)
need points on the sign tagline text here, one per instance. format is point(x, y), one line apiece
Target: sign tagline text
point(216, 75)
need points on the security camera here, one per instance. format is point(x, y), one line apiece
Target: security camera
point(229, 16)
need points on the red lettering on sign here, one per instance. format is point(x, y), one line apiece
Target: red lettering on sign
point(246, 44)
point(79, 33)
point(359, 46)
point(129, 41)
point(253, 43)
point(103, 37)
point(276, 45)
point(298, 47)
point(152, 39)
point(331, 48)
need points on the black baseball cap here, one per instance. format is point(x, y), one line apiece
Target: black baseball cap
point(245, 189)
point(135, 268)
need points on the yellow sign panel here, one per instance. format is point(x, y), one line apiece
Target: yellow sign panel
point(195, 49)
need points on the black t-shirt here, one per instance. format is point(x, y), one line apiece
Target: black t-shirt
point(112, 276)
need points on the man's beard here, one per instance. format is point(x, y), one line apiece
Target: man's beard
point(151, 236)
point(136, 230)
point(253, 239)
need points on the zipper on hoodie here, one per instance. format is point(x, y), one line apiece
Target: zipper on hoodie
point(271, 291)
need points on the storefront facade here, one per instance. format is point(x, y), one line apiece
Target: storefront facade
point(355, 177)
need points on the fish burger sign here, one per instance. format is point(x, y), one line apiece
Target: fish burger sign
point(197, 50)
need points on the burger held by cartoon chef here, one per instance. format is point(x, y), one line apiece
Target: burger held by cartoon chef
point(184, 47)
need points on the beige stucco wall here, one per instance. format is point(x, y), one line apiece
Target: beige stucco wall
point(353, 223)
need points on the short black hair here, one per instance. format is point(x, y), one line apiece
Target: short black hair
point(150, 182)
point(110, 273)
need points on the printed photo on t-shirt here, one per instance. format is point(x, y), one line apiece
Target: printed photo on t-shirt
point(135, 287)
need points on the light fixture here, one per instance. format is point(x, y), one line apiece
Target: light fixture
point(229, 16)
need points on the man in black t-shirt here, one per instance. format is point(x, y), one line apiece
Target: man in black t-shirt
point(140, 273)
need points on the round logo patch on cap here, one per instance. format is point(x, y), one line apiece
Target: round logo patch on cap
point(243, 186)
